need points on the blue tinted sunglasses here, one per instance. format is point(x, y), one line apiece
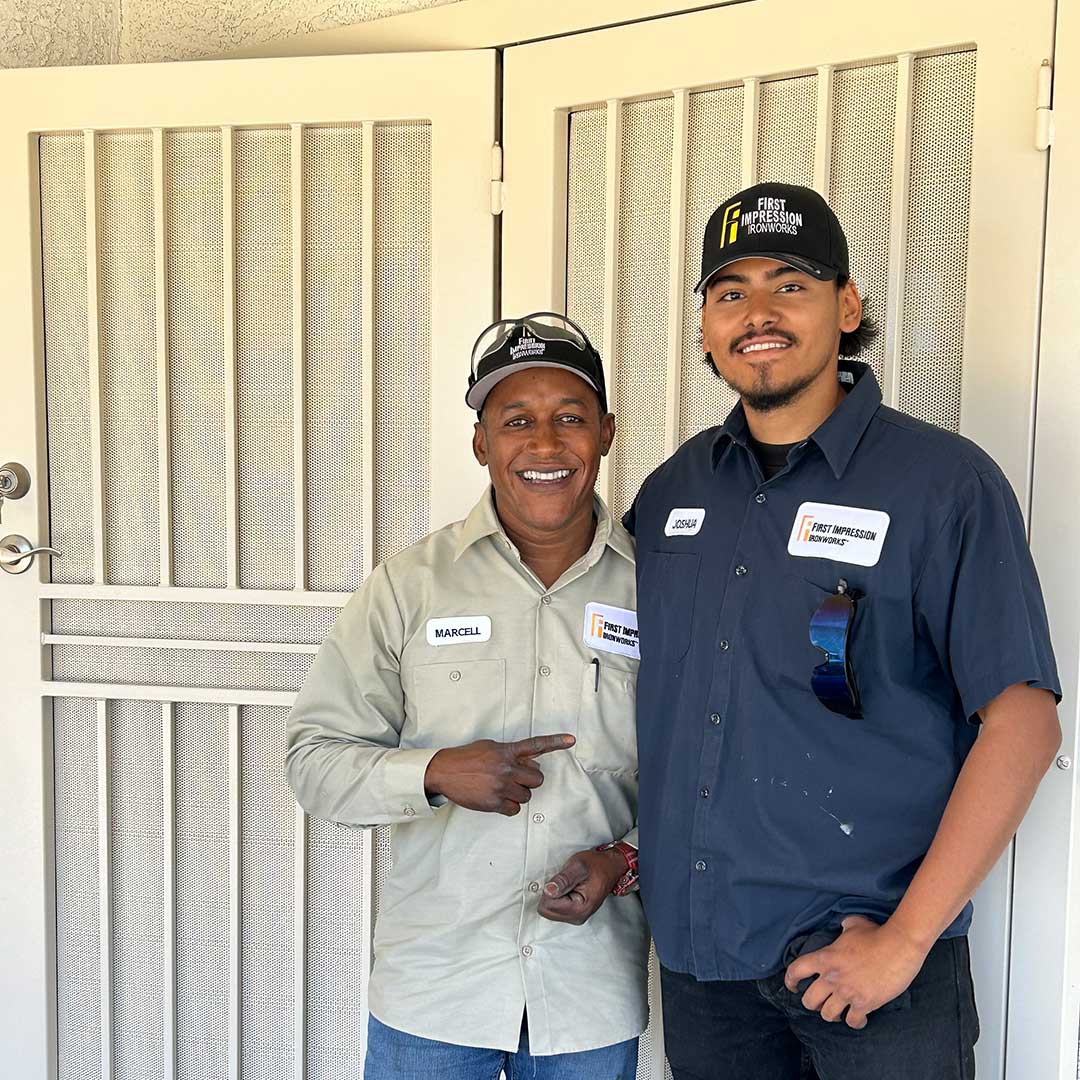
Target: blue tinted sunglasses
point(833, 680)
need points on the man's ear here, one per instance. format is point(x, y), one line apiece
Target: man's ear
point(607, 433)
point(850, 307)
point(479, 442)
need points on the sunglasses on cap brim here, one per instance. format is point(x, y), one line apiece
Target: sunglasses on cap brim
point(544, 325)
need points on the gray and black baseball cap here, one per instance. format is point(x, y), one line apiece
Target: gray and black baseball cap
point(785, 222)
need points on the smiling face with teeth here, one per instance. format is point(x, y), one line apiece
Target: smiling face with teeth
point(541, 437)
point(774, 331)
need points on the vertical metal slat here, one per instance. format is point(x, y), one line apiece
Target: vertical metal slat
point(676, 268)
point(898, 226)
point(93, 344)
point(234, 891)
point(367, 345)
point(300, 945)
point(228, 234)
point(299, 358)
point(751, 108)
point(613, 178)
point(161, 316)
point(823, 142)
point(168, 997)
point(105, 890)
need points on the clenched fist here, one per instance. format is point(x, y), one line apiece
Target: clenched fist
point(495, 777)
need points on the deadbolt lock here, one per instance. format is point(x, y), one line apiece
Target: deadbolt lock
point(14, 482)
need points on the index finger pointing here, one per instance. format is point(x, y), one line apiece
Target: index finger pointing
point(541, 744)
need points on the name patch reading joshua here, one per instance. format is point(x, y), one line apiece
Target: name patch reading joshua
point(851, 534)
point(684, 521)
point(458, 630)
point(611, 629)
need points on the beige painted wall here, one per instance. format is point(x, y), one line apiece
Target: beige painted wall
point(43, 33)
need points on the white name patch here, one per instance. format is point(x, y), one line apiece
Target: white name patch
point(683, 521)
point(458, 630)
point(844, 533)
point(611, 629)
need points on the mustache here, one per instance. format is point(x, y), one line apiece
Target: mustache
point(742, 339)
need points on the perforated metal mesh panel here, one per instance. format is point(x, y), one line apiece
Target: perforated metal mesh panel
point(864, 118)
point(640, 384)
point(202, 892)
point(586, 210)
point(932, 344)
point(713, 172)
point(180, 667)
point(128, 357)
point(195, 282)
point(135, 822)
point(67, 364)
point(264, 358)
point(786, 123)
point(186, 622)
point(402, 343)
point(336, 976)
point(78, 940)
point(267, 815)
point(333, 181)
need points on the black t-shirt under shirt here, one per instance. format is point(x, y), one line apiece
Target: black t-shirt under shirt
point(772, 457)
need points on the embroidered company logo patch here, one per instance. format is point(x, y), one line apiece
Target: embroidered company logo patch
point(770, 216)
point(458, 630)
point(527, 345)
point(612, 629)
point(729, 227)
point(848, 534)
point(684, 521)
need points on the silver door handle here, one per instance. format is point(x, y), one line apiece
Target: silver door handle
point(17, 553)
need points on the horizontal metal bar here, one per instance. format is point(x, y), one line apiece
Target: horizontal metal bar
point(128, 692)
point(168, 643)
point(284, 597)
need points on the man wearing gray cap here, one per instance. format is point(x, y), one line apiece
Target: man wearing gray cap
point(477, 694)
point(835, 600)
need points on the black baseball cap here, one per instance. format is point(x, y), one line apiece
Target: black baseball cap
point(543, 339)
point(785, 222)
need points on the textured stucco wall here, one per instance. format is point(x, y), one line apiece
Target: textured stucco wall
point(42, 33)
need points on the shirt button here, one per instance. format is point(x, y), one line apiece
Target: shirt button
point(408, 811)
point(545, 670)
point(715, 717)
point(725, 645)
point(538, 818)
point(760, 497)
point(534, 886)
point(526, 950)
point(704, 792)
point(740, 570)
point(545, 599)
point(455, 676)
point(700, 865)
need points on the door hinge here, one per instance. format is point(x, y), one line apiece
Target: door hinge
point(1044, 113)
point(496, 179)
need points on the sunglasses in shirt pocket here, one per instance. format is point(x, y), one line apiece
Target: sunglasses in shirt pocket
point(667, 589)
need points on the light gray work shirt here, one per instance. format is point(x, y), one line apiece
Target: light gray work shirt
point(454, 640)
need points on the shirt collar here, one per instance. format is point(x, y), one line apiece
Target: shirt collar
point(838, 434)
point(484, 521)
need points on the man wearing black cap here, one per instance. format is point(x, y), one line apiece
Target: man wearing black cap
point(835, 599)
point(486, 671)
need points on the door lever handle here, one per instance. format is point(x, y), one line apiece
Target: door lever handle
point(17, 553)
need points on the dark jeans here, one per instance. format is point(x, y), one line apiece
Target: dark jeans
point(759, 1030)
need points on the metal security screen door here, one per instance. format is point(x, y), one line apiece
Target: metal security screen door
point(238, 298)
point(918, 123)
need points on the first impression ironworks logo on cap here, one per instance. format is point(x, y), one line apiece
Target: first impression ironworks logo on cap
point(527, 346)
point(771, 215)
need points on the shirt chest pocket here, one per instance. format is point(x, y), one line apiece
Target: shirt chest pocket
point(606, 731)
point(667, 588)
point(456, 702)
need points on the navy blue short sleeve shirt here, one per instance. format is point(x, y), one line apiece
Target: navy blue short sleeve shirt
point(762, 813)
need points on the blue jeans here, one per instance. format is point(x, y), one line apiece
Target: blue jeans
point(395, 1055)
point(760, 1030)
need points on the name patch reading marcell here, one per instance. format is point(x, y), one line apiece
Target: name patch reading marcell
point(458, 630)
point(849, 534)
point(611, 629)
point(683, 521)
